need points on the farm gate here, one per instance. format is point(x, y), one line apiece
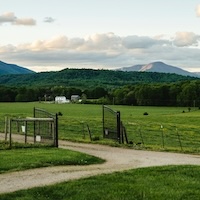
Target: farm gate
point(42, 128)
point(113, 127)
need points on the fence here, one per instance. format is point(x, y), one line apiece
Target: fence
point(148, 135)
point(40, 129)
point(164, 136)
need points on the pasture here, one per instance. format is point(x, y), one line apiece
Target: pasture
point(163, 129)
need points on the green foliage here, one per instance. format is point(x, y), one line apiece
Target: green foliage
point(154, 183)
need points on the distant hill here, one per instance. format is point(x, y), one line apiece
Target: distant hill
point(6, 68)
point(159, 67)
point(89, 78)
point(197, 73)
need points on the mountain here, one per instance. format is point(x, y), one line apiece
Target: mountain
point(159, 67)
point(6, 68)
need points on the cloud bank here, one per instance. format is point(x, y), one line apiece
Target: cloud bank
point(9, 17)
point(106, 50)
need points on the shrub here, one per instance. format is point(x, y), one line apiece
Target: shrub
point(145, 113)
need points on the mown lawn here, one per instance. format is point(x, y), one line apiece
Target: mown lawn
point(28, 158)
point(154, 183)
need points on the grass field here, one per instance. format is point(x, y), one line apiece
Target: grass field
point(164, 128)
point(154, 183)
point(29, 158)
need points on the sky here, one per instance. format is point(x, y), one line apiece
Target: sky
point(50, 35)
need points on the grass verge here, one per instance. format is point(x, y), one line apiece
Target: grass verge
point(154, 183)
point(28, 158)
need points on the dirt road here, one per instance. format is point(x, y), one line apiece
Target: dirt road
point(117, 159)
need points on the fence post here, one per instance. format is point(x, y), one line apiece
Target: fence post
point(56, 131)
point(103, 120)
point(25, 132)
point(89, 132)
point(6, 128)
point(118, 126)
point(10, 137)
point(121, 132)
point(34, 126)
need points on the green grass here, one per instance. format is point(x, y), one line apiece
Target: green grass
point(27, 158)
point(154, 183)
point(179, 132)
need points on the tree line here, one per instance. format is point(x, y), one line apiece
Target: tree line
point(27, 94)
point(175, 94)
point(186, 93)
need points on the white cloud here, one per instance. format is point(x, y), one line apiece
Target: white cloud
point(198, 10)
point(10, 17)
point(105, 51)
point(56, 43)
point(186, 39)
point(101, 42)
point(7, 17)
point(25, 22)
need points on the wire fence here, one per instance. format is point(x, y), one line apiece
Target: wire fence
point(164, 136)
point(167, 137)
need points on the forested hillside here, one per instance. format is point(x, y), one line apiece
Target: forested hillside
point(89, 78)
point(103, 87)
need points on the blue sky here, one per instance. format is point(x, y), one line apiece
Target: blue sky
point(51, 35)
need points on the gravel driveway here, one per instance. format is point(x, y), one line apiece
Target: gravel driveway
point(117, 159)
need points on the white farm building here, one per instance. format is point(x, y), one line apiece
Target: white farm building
point(61, 99)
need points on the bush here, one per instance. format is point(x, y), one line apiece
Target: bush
point(145, 113)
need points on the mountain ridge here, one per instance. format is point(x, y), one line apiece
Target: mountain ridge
point(6, 69)
point(160, 67)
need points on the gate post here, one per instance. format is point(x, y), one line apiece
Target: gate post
point(56, 131)
point(118, 126)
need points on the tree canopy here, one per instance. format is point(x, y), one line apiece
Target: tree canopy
point(103, 86)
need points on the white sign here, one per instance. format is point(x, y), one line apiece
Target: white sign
point(38, 138)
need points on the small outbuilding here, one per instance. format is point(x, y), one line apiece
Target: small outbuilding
point(75, 98)
point(61, 99)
